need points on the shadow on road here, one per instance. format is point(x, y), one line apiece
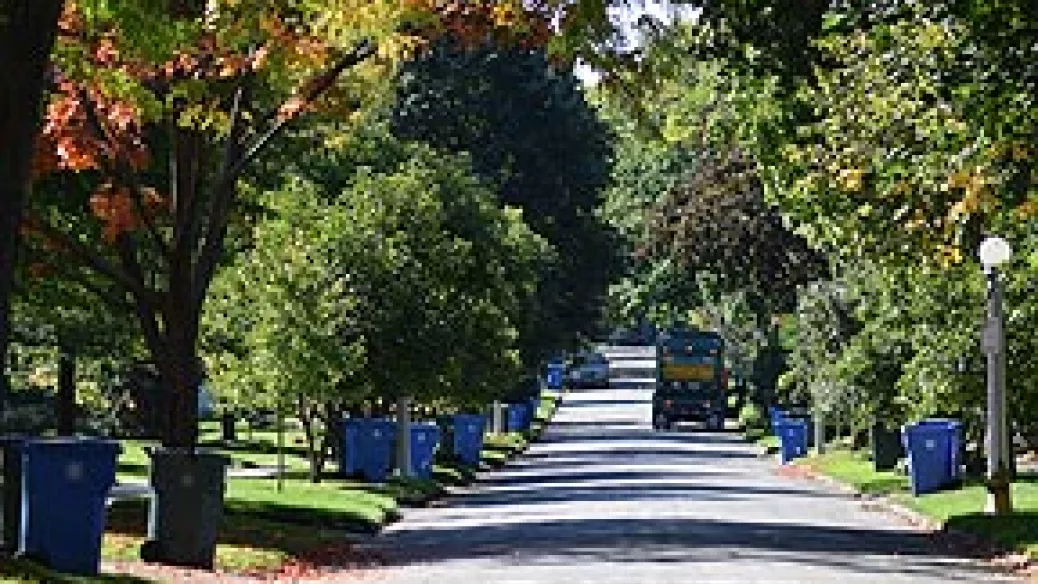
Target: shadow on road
point(568, 542)
point(533, 475)
point(538, 493)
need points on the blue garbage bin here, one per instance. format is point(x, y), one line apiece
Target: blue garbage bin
point(777, 415)
point(424, 440)
point(64, 485)
point(350, 452)
point(377, 441)
point(468, 437)
point(954, 427)
point(792, 434)
point(554, 378)
point(932, 447)
point(518, 417)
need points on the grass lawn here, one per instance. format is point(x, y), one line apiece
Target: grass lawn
point(769, 442)
point(498, 448)
point(959, 508)
point(264, 528)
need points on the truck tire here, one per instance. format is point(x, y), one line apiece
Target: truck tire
point(660, 422)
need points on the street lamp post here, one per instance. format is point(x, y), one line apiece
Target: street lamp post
point(995, 251)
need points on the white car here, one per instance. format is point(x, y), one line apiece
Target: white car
point(589, 370)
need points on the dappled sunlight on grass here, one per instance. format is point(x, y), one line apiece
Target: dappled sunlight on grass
point(960, 508)
point(264, 529)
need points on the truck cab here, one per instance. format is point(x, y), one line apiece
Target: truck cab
point(691, 379)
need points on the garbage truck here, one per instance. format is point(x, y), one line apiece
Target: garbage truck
point(691, 380)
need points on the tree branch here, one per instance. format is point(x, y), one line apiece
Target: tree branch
point(223, 193)
point(222, 199)
point(311, 91)
point(106, 295)
point(90, 258)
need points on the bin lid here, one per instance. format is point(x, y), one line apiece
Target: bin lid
point(949, 422)
point(936, 429)
point(77, 442)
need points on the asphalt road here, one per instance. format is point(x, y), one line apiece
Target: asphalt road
point(603, 499)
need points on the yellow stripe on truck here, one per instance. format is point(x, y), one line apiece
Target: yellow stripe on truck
point(686, 372)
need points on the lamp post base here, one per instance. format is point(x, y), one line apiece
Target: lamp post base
point(999, 501)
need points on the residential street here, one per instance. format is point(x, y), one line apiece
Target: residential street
point(604, 499)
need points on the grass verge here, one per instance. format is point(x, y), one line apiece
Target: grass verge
point(960, 508)
point(264, 529)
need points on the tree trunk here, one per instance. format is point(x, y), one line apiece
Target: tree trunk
point(314, 443)
point(27, 32)
point(333, 417)
point(819, 431)
point(177, 362)
point(66, 399)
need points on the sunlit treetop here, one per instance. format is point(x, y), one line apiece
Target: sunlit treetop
point(121, 65)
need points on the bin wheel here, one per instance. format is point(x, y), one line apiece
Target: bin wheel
point(151, 551)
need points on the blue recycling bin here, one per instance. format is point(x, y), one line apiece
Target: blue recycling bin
point(350, 452)
point(554, 379)
point(468, 437)
point(519, 417)
point(377, 438)
point(777, 415)
point(425, 438)
point(792, 434)
point(556, 375)
point(64, 485)
point(954, 428)
point(932, 447)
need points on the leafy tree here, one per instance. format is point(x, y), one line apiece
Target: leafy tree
point(414, 276)
point(85, 332)
point(898, 163)
point(718, 222)
point(530, 132)
point(205, 88)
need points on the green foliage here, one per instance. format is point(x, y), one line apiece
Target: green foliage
point(408, 283)
point(530, 134)
point(285, 310)
point(898, 162)
point(901, 343)
point(889, 137)
point(753, 419)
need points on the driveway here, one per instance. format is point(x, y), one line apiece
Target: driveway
point(603, 499)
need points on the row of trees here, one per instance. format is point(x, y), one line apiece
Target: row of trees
point(403, 238)
point(840, 163)
point(276, 195)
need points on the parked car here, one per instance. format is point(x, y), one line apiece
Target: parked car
point(589, 370)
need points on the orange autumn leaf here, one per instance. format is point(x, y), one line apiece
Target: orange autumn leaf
point(70, 142)
point(291, 108)
point(113, 207)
